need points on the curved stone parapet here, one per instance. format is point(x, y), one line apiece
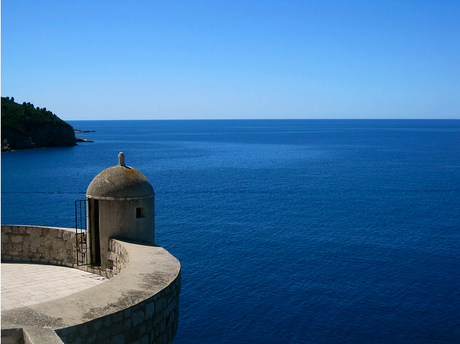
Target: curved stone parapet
point(56, 246)
point(138, 305)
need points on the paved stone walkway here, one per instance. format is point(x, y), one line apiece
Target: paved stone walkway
point(28, 284)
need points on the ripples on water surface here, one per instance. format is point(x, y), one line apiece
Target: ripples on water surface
point(287, 231)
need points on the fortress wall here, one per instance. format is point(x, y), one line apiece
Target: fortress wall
point(56, 246)
point(38, 244)
point(118, 258)
point(141, 305)
point(155, 320)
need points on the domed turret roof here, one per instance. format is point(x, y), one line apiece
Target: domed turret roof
point(120, 181)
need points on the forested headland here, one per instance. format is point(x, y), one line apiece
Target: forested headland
point(26, 126)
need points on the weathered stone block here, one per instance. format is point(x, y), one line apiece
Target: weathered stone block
point(42, 241)
point(127, 324)
point(53, 233)
point(145, 339)
point(61, 253)
point(67, 331)
point(149, 310)
point(138, 317)
point(107, 321)
point(156, 321)
point(116, 329)
point(117, 317)
point(16, 239)
point(142, 329)
point(68, 236)
point(69, 245)
point(97, 325)
point(25, 247)
point(149, 326)
point(111, 256)
point(31, 232)
point(158, 304)
point(92, 338)
point(84, 330)
point(103, 333)
point(120, 339)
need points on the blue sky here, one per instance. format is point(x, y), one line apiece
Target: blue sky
point(233, 59)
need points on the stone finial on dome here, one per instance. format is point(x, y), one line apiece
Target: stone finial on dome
point(121, 159)
point(120, 182)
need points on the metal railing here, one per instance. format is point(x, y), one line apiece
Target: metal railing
point(81, 234)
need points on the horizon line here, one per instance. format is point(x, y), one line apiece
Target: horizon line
point(272, 119)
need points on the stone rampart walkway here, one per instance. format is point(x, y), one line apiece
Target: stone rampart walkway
point(28, 284)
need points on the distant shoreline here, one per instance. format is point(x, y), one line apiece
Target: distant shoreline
point(79, 139)
point(83, 131)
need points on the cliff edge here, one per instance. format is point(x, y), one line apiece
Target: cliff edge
point(24, 126)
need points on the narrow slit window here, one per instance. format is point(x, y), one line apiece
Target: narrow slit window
point(140, 212)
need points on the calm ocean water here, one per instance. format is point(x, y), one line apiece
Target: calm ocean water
point(288, 231)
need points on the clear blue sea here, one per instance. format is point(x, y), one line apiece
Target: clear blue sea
point(288, 231)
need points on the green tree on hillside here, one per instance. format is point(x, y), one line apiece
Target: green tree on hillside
point(27, 121)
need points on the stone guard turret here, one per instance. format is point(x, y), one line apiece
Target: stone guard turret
point(120, 205)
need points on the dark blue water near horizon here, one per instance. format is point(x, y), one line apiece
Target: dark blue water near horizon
point(288, 231)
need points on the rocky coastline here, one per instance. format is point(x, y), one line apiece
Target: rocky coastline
point(46, 136)
point(26, 126)
point(83, 131)
point(40, 137)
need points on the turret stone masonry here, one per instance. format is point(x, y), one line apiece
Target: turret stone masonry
point(139, 303)
point(120, 203)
